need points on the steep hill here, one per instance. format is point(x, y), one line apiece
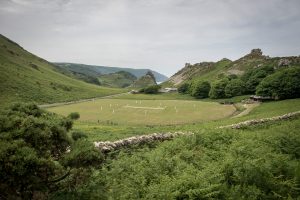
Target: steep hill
point(119, 79)
point(93, 69)
point(213, 70)
point(145, 81)
point(26, 77)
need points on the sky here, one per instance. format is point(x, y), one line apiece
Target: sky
point(161, 35)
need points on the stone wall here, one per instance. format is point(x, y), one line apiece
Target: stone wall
point(260, 121)
point(108, 146)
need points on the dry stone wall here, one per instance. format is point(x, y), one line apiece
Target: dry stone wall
point(108, 146)
point(260, 121)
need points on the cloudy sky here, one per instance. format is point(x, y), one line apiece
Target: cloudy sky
point(159, 34)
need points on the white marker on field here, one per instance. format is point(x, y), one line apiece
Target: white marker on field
point(109, 105)
point(113, 111)
point(101, 107)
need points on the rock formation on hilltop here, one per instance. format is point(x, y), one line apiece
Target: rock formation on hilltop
point(145, 81)
point(211, 71)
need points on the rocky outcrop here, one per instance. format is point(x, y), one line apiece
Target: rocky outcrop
point(284, 62)
point(189, 71)
point(261, 121)
point(147, 80)
point(108, 146)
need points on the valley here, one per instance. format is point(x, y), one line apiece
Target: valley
point(70, 132)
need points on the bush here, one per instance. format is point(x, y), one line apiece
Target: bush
point(235, 87)
point(74, 115)
point(254, 76)
point(32, 141)
point(217, 90)
point(76, 135)
point(200, 90)
point(83, 154)
point(153, 89)
point(184, 88)
point(283, 84)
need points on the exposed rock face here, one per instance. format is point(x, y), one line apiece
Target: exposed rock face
point(145, 81)
point(284, 62)
point(260, 121)
point(110, 146)
point(189, 71)
point(255, 53)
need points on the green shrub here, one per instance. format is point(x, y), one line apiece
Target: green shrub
point(200, 90)
point(76, 135)
point(235, 87)
point(153, 89)
point(254, 76)
point(74, 115)
point(83, 154)
point(217, 90)
point(184, 88)
point(32, 141)
point(283, 84)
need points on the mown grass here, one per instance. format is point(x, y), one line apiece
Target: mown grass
point(98, 132)
point(146, 112)
point(160, 96)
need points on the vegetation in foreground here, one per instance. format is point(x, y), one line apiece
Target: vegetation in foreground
point(260, 162)
point(36, 153)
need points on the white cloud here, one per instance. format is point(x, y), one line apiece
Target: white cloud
point(161, 34)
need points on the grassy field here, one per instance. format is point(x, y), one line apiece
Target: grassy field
point(107, 131)
point(161, 96)
point(146, 112)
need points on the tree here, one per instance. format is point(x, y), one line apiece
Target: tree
point(184, 88)
point(217, 90)
point(33, 143)
point(153, 89)
point(235, 87)
point(254, 76)
point(200, 89)
point(283, 84)
point(74, 115)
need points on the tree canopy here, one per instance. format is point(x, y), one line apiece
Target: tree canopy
point(34, 147)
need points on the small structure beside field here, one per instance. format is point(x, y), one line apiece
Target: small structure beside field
point(168, 90)
point(260, 98)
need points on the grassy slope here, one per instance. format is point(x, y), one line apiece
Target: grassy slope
point(26, 77)
point(119, 79)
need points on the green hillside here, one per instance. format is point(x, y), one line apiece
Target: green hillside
point(94, 69)
point(26, 77)
point(119, 79)
point(211, 71)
